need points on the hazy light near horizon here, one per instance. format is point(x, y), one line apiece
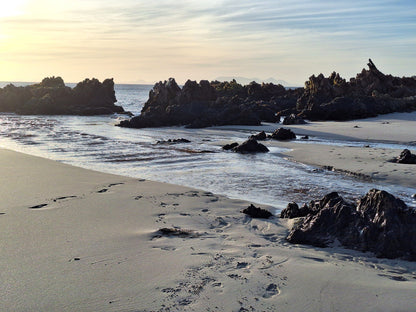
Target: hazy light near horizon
point(135, 40)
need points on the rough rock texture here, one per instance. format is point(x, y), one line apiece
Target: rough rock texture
point(230, 146)
point(292, 119)
point(283, 134)
point(173, 141)
point(256, 212)
point(293, 211)
point(406, 157)
point(52, 97)
point(368, 94)
point(250, 146)
point(204, 104)
point(261, 136)
point(380, 223)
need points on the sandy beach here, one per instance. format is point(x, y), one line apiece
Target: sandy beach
point(79, 240)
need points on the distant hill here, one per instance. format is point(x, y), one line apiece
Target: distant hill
point(245, 80)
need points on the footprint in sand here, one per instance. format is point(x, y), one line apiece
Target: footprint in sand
point(271, 290)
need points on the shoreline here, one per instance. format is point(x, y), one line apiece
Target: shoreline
point(77, 239)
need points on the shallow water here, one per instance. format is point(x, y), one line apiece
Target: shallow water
point(94, 142)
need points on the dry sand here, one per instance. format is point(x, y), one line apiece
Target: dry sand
point(77, 240)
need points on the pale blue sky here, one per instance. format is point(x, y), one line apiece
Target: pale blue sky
point(134, 40)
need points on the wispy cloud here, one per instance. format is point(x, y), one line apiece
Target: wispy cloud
point(287, 39)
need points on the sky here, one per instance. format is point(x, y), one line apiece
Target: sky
point(136, 41)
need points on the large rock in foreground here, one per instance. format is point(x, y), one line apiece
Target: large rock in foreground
point(52, 97)
point(380, 223)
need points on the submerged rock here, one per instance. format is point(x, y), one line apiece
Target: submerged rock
point(380, 223)
point(173, 141)
point(256, 212)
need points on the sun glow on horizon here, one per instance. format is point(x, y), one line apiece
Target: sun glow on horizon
point(133, 40)
point(12, 8)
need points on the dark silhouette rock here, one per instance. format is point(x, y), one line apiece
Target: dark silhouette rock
point(283, 134)
point(205, 104)
point(174, 141)
point(292, 119)
point(256, 212)
point(293, 211)
point(368, 94)
point(380, 223)
point(250, 146)
point(52, 97)
point(406, 157)
point(261, 136)
point(228, 147)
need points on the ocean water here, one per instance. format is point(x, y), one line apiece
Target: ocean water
point(94, 142)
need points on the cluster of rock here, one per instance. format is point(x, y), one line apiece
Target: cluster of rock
point(204, 104)
point(249, 146)
point(53, 97)
point(379, 223)
point(405, 157)
point(369, 94)
point(252, 146)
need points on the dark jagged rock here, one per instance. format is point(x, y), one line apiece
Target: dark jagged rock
point(52, 97)
point(250, 146)
point(283, 134)
point(368, 94)
point(205, 104)
point(406, 157)
point(261, 136)
point(379, 223)
point(292, 119)
point(228, 147)
point(293, 211)
point(173, 141)
point(256, 212)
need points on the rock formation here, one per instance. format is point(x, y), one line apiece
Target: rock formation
point(256, 212)
point(406, 157)
point(204, 104)
point(283, 134)
point(52, 97)
point(368, 94)
point(250, 146)
point(379, 223)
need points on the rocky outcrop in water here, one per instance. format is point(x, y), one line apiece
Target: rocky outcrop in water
point(283, 134)
point(368, 94)
point(261, 136)
point(379, 223)
point(406, 157)
point(52, 97)
point(248, 147)
point(204, 104)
